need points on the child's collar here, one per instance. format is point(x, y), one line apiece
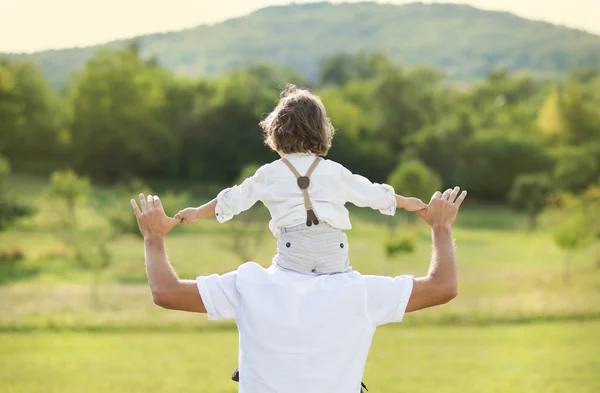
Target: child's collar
point(287, 155)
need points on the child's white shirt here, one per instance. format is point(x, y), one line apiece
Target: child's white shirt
point(331, 187)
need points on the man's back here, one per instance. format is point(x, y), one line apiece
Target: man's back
point(303, 333)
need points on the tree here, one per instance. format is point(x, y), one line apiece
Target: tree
point(404, 103)
point(118, 124)
point(10, 209)
point(71, 189)
point(530, 194)
point(413, 178)
point(496, 158)
point(550, 120)
point(576, 168)
point(342, 68)
point(30, 114)
point(88, 240)
point(578, 225)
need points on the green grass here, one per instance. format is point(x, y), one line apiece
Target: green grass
point(505, 276)
point(516, 326)
point(532, 358)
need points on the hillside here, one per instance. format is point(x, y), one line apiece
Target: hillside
point(463, 41)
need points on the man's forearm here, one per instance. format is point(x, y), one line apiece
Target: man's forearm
point(161, 275)
point(443, 269)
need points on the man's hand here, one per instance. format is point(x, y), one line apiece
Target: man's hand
point(188, 215)
point(152, 220)
point(442, 209)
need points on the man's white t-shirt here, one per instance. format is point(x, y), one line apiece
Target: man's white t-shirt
point(303, 333)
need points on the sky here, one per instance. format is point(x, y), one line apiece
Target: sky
point(33, 25)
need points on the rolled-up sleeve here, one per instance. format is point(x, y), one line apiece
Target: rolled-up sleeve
point(234, 200)
point(359, 191)
point(220, 295)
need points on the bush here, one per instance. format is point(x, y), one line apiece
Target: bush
point(398, 246)
point(413, 178)
point(530, 194)
point(495, 159)
point(575, 169)
point(12, 256)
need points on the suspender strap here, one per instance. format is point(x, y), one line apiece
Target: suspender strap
point(289, 165)
point(313, 166)
point(303, 183)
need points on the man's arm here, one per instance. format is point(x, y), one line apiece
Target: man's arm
point(168, 291)
point(441, 283)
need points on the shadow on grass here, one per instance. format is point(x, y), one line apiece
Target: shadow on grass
point(12, 271)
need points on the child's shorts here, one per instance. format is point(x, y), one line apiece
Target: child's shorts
point(318, 249)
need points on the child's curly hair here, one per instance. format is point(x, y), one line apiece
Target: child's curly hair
point(298, 124)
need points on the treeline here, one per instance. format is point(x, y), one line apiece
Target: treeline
point(124, 117)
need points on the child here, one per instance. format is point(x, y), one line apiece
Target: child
point(304, 193)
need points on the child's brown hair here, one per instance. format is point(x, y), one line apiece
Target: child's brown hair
point(298, 124)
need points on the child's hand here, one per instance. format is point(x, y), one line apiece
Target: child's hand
point(187, 216)
point(413, 204)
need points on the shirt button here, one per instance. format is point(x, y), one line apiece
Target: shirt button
point(288, 245)
point(341, 245)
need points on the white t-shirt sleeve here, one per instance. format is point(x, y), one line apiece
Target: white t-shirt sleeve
point(387, 297)
point(220, 295)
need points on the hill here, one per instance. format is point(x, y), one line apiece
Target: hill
point(463, 41)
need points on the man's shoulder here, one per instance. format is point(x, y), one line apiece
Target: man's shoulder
point(256, 272)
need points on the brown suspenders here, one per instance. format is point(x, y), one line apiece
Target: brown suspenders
point(303, 183)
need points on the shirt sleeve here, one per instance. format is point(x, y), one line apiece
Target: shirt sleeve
point(220, 295)
point(387, 297)
point(234, 200)
point(359, 191)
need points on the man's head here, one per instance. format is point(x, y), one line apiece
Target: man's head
point(298, 124)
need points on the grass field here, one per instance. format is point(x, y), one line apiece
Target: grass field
point(532, 358)
point(517, 325)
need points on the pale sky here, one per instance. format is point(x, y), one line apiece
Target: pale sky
point(31, 25)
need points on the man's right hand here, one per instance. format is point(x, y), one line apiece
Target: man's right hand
point(152, 220)
point(443, 208)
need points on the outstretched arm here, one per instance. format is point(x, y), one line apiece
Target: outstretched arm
point(168, 290)
point(441, 283)
point(361, 192)
point(411, 204)
point(228, 203)
point(192, 214)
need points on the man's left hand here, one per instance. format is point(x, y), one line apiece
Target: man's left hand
point(152, 220)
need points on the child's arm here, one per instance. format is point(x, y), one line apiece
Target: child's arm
point(362, 193)
point(192, 214)
point(410, 204)
point(229, 202)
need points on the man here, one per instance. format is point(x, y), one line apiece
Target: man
point(299, 332)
